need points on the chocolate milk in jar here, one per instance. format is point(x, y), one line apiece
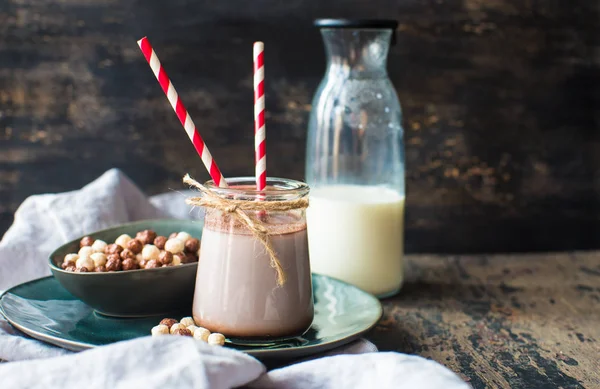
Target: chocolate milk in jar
point(242, 290)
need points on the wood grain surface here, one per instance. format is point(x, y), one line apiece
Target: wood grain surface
point(500, 101)
point(501, 321)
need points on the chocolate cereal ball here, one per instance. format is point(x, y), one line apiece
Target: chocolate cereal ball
point(135, 246)
point(127, 254)
point(113, 263)
point(113, 249)
point(192, 245)
point(86, 241)
point(183, 332)
point(168, 322)
point(100, 269)
point(188, 258)
point(160, 241)
point(146, 236)
point(129, 264)
point(165, 257)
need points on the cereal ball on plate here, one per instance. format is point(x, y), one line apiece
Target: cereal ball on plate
point(192, 329)
point(174, 246)
point(70, 268)
point(122, 240)
point(151, 264)
point(202, 334)
point(183, 332)
point(99, 246)
point(82, 270)
point(168, 322)
point(187, 321)
point(86, 241)
point(100, 269)
point(176, 327)
point(160, 329)
point(173, 235)
point(216, 339)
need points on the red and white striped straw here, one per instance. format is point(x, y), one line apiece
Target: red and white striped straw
point(182, 114)
point(260, 149)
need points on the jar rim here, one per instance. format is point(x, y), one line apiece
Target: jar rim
point(277, 187)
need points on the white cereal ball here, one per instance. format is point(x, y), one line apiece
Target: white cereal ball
point(187, 321)
point(216, 339)
point(202, 334)
point(150, 252)
point(174, 245)
point(85, 251)
point(123, 240)
point(99, 246)
point(176, 260)
point(192, 329)
point(85, 262)
point(71, 258)
point(138, 258)
point(99, 259)
point(176, 327)
point(183, 236)
point(160, 329)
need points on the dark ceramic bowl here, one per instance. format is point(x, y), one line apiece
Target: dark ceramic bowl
point(132, 293)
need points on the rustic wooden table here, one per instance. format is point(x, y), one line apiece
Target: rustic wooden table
point(501, 321)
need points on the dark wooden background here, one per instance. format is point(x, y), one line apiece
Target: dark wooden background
point(501, 102)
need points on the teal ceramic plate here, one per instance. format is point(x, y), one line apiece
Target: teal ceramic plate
point(46, 311)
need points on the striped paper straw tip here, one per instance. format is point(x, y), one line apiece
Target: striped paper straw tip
point(181, 112)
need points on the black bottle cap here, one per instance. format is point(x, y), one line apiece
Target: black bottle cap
point(356, 23)
point(359, 23)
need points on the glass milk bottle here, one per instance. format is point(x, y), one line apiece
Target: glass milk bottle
point(355, 160)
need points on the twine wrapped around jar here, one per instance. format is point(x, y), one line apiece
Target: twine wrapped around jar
point(238, 208)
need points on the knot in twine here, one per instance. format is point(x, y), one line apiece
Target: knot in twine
point(237, 209)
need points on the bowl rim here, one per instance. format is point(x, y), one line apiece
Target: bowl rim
point(54, 267)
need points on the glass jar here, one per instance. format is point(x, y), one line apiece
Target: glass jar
point(237, 293)
point(355, 160)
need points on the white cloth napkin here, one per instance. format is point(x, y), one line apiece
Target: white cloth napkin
point(43, 222)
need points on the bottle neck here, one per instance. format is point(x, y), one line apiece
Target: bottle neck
point(357, 53)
